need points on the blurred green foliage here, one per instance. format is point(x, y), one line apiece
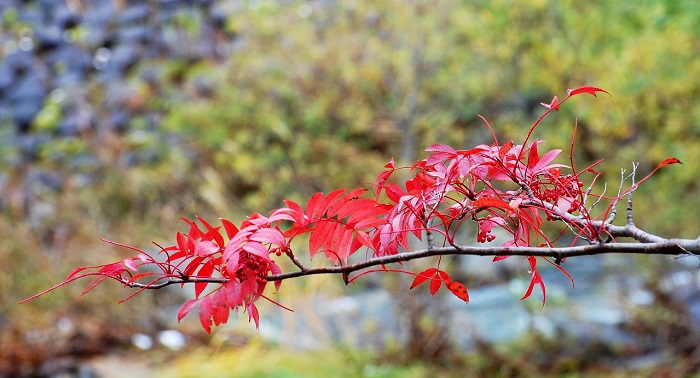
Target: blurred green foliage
point(320, 97)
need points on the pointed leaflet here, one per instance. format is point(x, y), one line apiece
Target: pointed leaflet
point(440, 152)
point(586, 89)
point(220, 309)
point(554, 105)
point(321, 232)
point(382, 178)
point(543, 163)
point(490, 201)
point(297, 213)
point(668, 161)
point(318, 204)
point(231, 229)
point(536, 279)
point(275, 269)
point(129, 263)
point(423, 276)
point(253, 314)
point(459, 290)
point(435, 285)
point(504, 149)
point(346, 201)
point(182, 243)
point(212, 232)
point(205, 312)
point(206, 248)
point(194, 231)
point(659, 166)
point(456, 288)
point(205, 272)
point(186, 308)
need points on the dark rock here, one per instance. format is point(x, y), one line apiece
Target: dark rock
point(26, 99)
point(20, 61)
point(23, 114)
point(65, 18)
point(48, 39)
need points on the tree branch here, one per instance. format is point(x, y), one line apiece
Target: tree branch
point(650, 245)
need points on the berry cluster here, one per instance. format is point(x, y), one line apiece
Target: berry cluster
point(484, 237)
point(551, 188)
point(252, 265)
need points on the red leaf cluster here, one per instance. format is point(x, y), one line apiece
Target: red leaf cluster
point(511, 187)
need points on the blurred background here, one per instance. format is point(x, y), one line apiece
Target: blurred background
point(117, 117)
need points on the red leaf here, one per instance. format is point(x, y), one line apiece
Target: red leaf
point(205, 248)
point(586, 89)
point(338, 205)
point(459, 290)
point(205, 272)
point(536, 279)
point(325, 203)
point(231, 229)
point(319, 234)
point(186, 308)
point(659, 166)
point(435, 286)
point(669, 161)
point(275, 269)
point(296, 212)
point(220, 310)
point(253, 314)
point(212, 233)
point(503, 151)
point(205, 313)
point(534, 157)
point(194, 231)
point(554, 105)
point(394, 192)
point(486, 202)
point(369, 223)
point(441, 148)
point(129, 263)
point(137, 277)
point(192, 266)
point(423, 276)
point(182, 243)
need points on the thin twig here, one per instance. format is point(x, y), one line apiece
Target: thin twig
point(630, 220)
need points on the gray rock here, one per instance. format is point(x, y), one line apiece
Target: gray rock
point(135, 14)
point(134, 34)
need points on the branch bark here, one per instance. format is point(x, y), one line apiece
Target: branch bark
point(647, 244)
